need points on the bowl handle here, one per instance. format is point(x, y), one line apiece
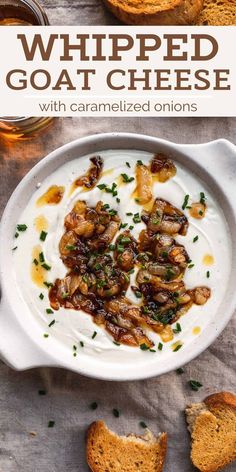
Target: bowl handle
point(219, 159)
point(17, 350)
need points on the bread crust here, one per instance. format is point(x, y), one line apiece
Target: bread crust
point(221, 398)
point(99, 436)
point(156, 12)
point(212, 431)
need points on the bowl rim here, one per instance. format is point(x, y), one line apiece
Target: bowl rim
point(184, 150)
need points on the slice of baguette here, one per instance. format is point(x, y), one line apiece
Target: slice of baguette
point(212, 425)
point(218, 13)
point(108, 452)
point(156, 12)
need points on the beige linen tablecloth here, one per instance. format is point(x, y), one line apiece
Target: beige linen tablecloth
point(160, 401)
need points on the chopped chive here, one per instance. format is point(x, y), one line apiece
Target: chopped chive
point(48, 284)
point(142, 424)
point(94, 334)
point(35, 262)
point(98, 266)
point(126, 178)
point(16, 235)
point(100, 283)
point(52, 323)
point(195, 239)
point(105, 206)
point(144, 347)
point(45, 335)
point(195, 385)
point(178, 328)
point(190, 266)
point(152, 350)
point(202, 198)
point(41, 296)
point(128, 164)
point(164, 254)
point(112, 212)
point(131, 227)
point(139, 163)
point(145, 309)
point(125, 240)
point(136, 218)
point(118, 200)
point(41, 257)
point(116, 413)
point(169, 274)
point(49, 311)
point(21, 227)
point(94, 406)
point(185, 202)
point(70, 247)
point(101, 186)
point(155, 221)
point(208, 274)
point(46, 266)
point(120, 248)
point(178, 347)
point(200, 212)
point(74, 348)
point(117, 344)
point(123, 225)
point(43, 235)
point(81, 343)
point(180, 371)
point(160, 346)
point(111, 189)
point(129, 214)
point(137, 294)
point(74, 354)
point(51, 424)
point(14, 248)
point(42, 392)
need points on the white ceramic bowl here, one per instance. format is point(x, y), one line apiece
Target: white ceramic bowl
point(22, 345)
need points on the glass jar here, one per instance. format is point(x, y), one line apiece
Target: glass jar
point(22, 13)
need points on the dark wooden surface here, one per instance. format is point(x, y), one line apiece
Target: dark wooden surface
point(91, 12)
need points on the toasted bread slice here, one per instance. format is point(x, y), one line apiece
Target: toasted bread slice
point(156, 12)
point(212, 425)
point(108, 452)
point(218, 13)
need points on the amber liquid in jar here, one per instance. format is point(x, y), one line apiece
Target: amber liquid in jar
point(11, 15)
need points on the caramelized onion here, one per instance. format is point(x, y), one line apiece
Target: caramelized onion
point(90, 179)
point(163, 167)
point(143, 190)
point(99, 273)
